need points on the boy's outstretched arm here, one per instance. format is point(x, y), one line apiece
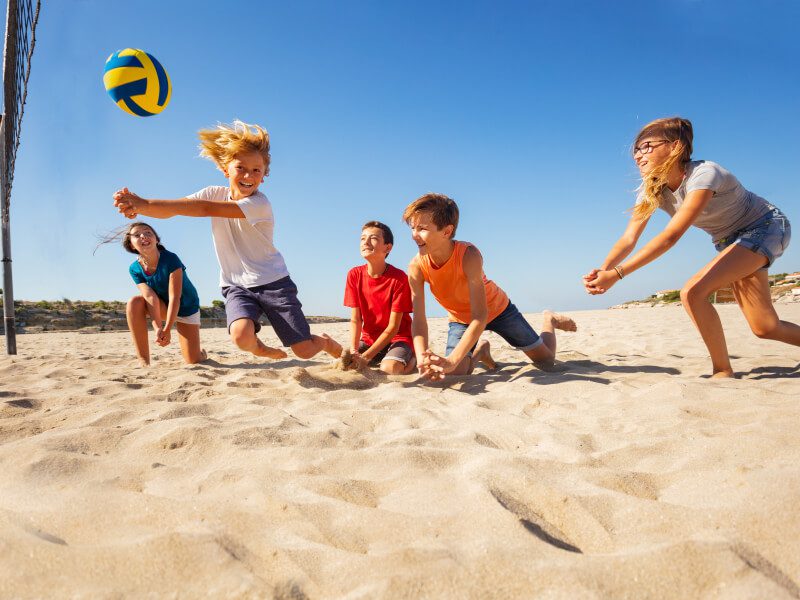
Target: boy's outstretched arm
point(131, 205)
point(419, 323)
point(473, 270)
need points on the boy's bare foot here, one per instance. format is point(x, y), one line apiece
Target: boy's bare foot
point(482, 355)
point(143, 362)
point(332, 347)
point(562, 322)
point(267, 352)
point(203, 355)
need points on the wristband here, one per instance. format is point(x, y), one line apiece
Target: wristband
point(619, 271)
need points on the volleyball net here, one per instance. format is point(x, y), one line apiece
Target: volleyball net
point(21, 19)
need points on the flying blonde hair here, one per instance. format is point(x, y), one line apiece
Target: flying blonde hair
point(671, 129)
point(225, 141)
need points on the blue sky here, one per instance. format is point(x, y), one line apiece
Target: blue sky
point(523, 112)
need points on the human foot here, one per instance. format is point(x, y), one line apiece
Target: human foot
point(725, 374)
point(562, 322)
point(267, 352)
point(332, 347)
point(482, 355)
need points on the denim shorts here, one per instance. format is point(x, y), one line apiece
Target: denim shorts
point(768, 235)
point(509, 325)
point(277, 301)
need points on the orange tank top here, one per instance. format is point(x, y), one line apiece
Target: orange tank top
point(449, 286)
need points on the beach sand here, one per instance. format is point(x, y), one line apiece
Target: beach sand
point(620, 474)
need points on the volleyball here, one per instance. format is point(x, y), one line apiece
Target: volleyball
point(137, 82)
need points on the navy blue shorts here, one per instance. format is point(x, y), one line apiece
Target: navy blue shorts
point(277, 301)
point(509, 324)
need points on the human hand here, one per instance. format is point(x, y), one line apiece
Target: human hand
point(127, 202)
point(358, 361)
point(163, 337)
point(434, 367)
point(601, 282)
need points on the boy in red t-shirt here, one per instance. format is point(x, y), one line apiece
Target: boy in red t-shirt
point(379, 294)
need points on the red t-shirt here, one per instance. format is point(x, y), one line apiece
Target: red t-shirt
point(377, 298)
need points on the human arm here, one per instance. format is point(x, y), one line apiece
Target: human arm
point(385, 337)
point(419, 323)
point(153, 306)
point(175, 290)
point(606, 277)
point(473, 270)
point(131, 205)
point(355, 329)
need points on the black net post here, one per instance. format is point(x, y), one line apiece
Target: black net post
point(21, 19)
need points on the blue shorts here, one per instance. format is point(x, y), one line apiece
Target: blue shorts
point(277, 301)
point(509, 325)
point(768, 235)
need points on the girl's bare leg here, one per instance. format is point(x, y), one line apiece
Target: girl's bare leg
point(243, 334)
point(733, 264)
point(137, 315)
point(189, 338)
point(395, 367)
point(755, 299)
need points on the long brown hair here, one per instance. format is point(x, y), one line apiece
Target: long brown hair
point(672, 129)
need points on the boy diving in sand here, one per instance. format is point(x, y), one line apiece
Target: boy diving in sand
point(253, 274)
point(454, 271)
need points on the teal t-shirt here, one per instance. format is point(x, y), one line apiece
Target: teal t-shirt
point(159, 282)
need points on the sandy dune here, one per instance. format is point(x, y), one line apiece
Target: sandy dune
point(622, 474)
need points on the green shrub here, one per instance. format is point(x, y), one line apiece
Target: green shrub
point(673, 296)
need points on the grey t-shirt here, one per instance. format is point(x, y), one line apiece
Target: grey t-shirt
point(730, 209)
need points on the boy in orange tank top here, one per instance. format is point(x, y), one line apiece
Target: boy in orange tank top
point(454, 272)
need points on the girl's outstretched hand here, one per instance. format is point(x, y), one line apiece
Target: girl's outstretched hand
point(599, 282)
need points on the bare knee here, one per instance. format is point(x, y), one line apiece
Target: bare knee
point(392, 367)
point(693, 293)
point(136, 304)
point(243, 333)
point(765, 329)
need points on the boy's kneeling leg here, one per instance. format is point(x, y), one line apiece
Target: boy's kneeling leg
point(541, 355)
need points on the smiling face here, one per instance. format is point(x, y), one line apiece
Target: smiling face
point(427, 235)
point(245, 173)
point(373, 246)
point(143, 239)
point(652, 151)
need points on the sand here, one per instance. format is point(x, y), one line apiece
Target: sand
point(621, 474)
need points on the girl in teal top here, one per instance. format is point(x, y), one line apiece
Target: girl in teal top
point(166, 296)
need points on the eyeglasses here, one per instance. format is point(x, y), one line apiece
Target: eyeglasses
point(647, 147)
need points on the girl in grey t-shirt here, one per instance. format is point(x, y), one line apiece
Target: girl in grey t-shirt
point(748, 232)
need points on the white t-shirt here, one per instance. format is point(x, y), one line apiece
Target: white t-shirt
point(730, 209)
point(246, 254)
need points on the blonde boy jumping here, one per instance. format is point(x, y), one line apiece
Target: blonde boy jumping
point(454, 272)
point(253, 274)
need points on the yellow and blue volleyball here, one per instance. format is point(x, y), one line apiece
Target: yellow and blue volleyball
point(137, 82)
